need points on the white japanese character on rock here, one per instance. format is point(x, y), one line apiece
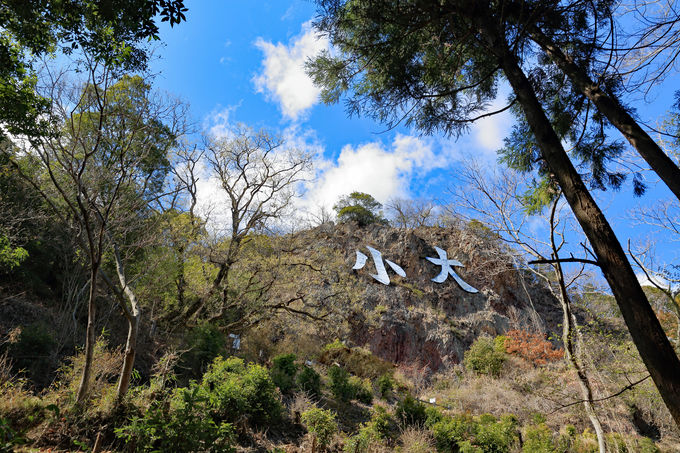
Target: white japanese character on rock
point(447, 270)
point(381, 275)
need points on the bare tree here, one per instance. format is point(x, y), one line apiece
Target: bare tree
point(496, 200)
point(102, 166)
point(645, 42)
point(406, 213)
point(259, 177)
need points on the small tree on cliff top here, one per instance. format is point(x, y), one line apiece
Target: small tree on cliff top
point(359, 207)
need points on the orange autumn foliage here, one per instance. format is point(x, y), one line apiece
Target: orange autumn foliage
point(532, 347)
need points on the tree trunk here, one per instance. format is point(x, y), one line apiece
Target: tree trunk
point(617, 115)
point(649, 338)
point(569, 335)
point(84, 385)
point(133, 316)
point(129, 360)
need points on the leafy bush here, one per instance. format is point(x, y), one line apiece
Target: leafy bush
point(373, 433)
point(411, 411)
point(464, 433)
point(283, 372)
point(360, 390)
point(381, 422)
point(538, 439)
point(321, 424)
point(531, 346)
point(235, 389)
point(309, 381)
point(496, 436)
point(385, 385)
point(339, 386)
point(345, 388)
point(10, 257)
point(484, 357)
point(179, 424)
point(362, 441)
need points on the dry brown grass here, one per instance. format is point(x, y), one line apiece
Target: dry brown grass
point(416, 440)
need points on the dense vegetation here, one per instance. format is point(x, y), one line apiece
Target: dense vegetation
point(135, 318)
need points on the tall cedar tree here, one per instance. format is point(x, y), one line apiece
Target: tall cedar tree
point(436, 65)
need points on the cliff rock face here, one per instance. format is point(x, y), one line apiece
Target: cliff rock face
point(420, 323)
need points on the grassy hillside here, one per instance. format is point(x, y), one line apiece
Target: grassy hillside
point(330, 360)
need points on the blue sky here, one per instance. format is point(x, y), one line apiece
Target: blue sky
point(237, 61)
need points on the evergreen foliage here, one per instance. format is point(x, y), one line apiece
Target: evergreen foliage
point(485, 356)
point(361, 208)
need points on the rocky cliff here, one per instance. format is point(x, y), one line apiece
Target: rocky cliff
point(417, 322)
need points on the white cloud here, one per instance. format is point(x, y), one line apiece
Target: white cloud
point(374, 169)
point(655, 279)
point(490, 131)
point(283, 78)
point(219, 123)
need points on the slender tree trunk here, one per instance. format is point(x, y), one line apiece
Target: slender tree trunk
point(649, 338)
point(617, 115)
point(129, 359)
point(133, 316)
point(84, 385)
point(569, 337)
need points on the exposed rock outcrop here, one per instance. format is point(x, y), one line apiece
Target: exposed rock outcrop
point(418, 322)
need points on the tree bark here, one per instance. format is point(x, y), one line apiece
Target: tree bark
point(649, 338)
point(133, 316)
point(84, 385)
point(568, 335)
point(617, 115)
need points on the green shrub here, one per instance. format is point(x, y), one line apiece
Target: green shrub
point(647, 445)
point(202, 344)
point(538, 439)
point(320, 423)
point(381, 422)
point(179, 424)
point(385, 385)
point(309, 381)
point(345, 388)
point(380, 427)
point(335, 345)
point(410, 411)
point(340, 387)
point(467, 447)
point(449, 432)
point(481, 434)
point(283, 372)
point(484, 357)
point(432, 416)
point(360, 390)
point(362, 441)
point(496, 436)
point(235, 389)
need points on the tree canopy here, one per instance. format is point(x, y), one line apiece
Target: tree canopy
point(113, 32)
point(359, 207)
point(437, 65)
